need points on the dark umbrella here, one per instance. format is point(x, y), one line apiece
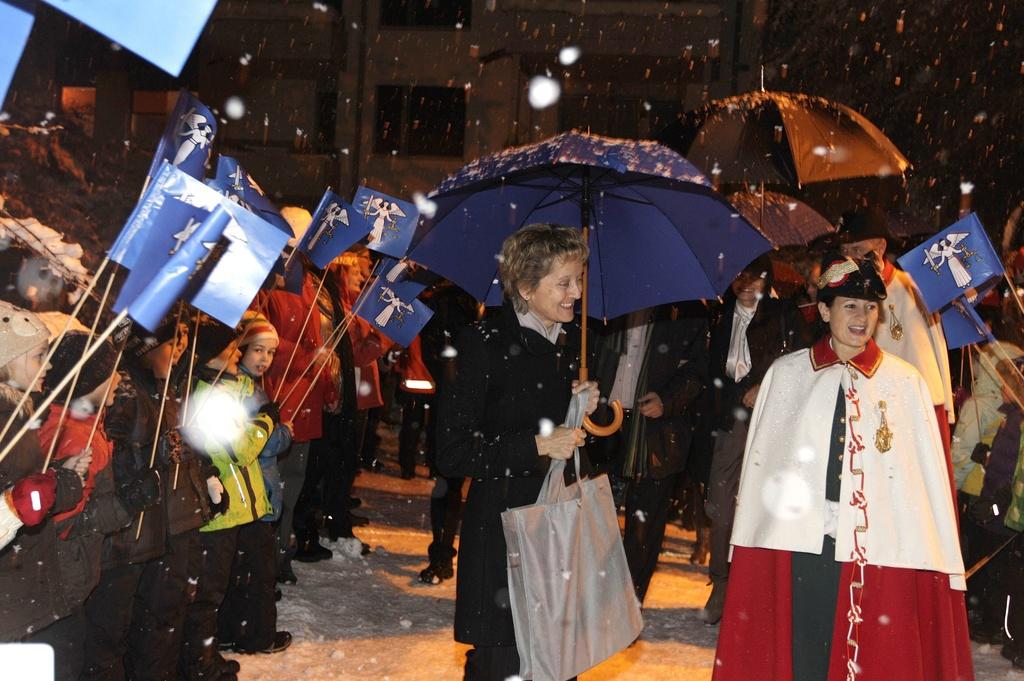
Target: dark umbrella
point(657, 231)
point(783, 138)
point(783, 220)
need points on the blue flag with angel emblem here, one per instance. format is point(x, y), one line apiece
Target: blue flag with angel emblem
point(188, 137)
point(390, 222)
point(331, 231)
point(957, 261)
point(392, 308)
point(162, 289)
point(172, 208)
point(234, 182)
point(962, 326)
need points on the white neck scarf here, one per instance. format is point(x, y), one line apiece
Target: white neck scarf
point(529, 320)
point(737, 364)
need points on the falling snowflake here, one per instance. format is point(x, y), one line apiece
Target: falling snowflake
point(546, 427)
point(786, 496)
point(425, 206)
point(544, 91)
point(234, 107)
point(448, 352)
point(568, 55)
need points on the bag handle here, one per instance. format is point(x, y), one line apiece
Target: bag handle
point(554, 482)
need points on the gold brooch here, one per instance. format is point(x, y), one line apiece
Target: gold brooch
point(883, 436)
point(895, 327)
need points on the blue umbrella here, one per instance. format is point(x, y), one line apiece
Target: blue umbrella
point(658, 232)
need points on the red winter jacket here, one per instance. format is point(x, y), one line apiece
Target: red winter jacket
point(286, 311)
point(74, 439)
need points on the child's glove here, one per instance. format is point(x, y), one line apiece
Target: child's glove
point(32, 497)
point(218, 497)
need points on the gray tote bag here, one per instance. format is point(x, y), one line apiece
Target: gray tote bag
point(572, 597)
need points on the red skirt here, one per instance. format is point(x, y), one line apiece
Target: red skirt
point(914, 628)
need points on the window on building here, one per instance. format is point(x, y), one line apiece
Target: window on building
point(150, 109)
point(420, 121)
point(430, 13)
point(390, 105)
point(437, 121)
point(79, 103)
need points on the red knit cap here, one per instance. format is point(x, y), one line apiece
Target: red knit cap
point(256, 328)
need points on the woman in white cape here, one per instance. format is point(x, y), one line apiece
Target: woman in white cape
point(845, 557)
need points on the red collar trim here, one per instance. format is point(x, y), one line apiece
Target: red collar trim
point(867, 362)
point(888, 273)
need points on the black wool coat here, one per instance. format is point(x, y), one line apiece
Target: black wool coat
point(507, 378)
point(676, 365)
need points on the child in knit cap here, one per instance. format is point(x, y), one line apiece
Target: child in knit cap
point(248, 616)
point(34, 605)
point(219, 426)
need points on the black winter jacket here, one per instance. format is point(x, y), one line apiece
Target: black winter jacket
point(32, 595)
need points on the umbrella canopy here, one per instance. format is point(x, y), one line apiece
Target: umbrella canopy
point(658, 232)
point(784, 138)
point(783, 220)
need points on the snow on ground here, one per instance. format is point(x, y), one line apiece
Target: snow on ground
point(370, 617)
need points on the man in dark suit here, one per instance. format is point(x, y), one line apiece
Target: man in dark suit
point(654, 362)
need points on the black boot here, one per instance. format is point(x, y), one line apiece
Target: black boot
point(435, 573)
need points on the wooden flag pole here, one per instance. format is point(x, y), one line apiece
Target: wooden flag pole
point(74, 381)
point(160, 415)
point(302, 330)
point(343, 326)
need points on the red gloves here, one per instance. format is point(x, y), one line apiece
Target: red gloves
point(32, 497)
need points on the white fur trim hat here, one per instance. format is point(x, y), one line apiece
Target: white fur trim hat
point(20, 331)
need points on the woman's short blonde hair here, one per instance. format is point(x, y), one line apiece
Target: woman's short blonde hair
point(529, 254)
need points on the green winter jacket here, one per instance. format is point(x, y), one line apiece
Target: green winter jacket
point(233, 439)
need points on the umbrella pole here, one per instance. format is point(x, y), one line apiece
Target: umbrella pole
point(616, 406)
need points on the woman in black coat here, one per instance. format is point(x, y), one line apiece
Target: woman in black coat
point(498, 425)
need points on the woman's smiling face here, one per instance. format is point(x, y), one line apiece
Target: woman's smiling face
point(556, 294)
point(852, 322)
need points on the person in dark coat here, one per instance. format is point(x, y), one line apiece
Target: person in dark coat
point(165, 584)
point(35, 606)
point(453, 311)
point(78, 438)
point(751, 331)
point(654, 362)
point(130, 423)
point(513, 382)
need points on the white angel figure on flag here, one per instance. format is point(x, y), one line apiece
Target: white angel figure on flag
point(393, 304)
point(947, 251)
point(236, 179)
point(328, 223)
point(196, 133)
point(385, 214)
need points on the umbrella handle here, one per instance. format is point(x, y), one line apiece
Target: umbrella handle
point(605, 431)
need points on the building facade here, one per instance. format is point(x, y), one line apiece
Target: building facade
point(396, 94)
